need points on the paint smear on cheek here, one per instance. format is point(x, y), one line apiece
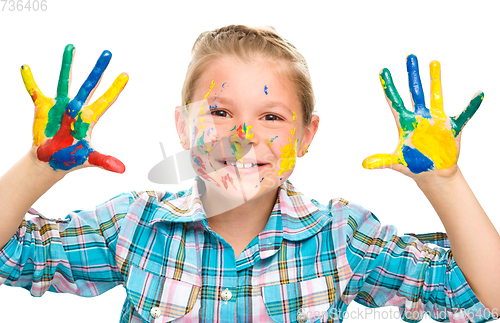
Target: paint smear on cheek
point(288, 156)
point(270, 142)
point(294, 116)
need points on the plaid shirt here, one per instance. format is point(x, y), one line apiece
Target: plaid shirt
point(307, 265)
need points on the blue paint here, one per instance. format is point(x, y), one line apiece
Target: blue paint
point(416, 161)
point(213, 107)
point(262, 179)
point(77, 103)
point(256, 186)
point(265, 89)
point(224, 85)
point(415, 84)
point(71, 156)
point(197, 162)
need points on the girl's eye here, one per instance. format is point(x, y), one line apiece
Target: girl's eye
point(219, 113)
point(272, 117)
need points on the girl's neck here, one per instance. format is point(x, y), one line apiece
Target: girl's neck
point(236, 221)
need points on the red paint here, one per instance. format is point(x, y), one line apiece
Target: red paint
point(62, 139)
point(240, 131)
point(76, 148)
point(107, 162)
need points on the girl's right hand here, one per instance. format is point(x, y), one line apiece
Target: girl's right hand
point(62, 127)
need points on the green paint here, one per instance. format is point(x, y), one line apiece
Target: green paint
point(63, 85)
point(457, 123)
point(201, 142)
point(406, 118)
point(62, 99)
point(55, 116)
point(233, 128)
point(81, 127)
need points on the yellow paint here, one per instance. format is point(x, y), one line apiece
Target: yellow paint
point(269, 143)
point(386, 160)
point(202, 119)
point(294, 116)
point(202, 109)
point(436, 142)
point(237, 146)
point(42, 105)
point(436, 110)
point(94, 111)
point(382, 82)
point(249, 133)
point(380, 160)
point(292, 132)
point(288, 156)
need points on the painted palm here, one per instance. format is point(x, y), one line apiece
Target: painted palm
point(62, 127)
point(428, 139)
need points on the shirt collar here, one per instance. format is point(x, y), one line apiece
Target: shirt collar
point(294, 216)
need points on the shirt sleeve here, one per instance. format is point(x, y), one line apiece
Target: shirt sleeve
point(409, 272)
point(74, 255)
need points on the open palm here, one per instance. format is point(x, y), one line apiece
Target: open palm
point(429, 141)
point(62, 127)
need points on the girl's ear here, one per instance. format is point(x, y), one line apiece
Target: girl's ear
point(308, 136)
point(181, 126)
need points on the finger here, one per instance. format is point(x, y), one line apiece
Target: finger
point(94, 111)
point(62, 99)
point(380, 161)
point(403, 116)
point(90, 84)
point(65, 74)
point(30, 84)
point(459, 122)
point(42, 105)
point(107, 162)
point(437, 111)
point(417, 94)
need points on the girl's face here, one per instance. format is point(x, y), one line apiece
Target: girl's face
point(245, 128)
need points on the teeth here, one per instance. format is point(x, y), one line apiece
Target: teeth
point(241, 165)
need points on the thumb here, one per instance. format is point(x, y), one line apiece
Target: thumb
point(107, 162)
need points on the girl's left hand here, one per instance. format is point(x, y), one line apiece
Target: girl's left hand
point(429, 141)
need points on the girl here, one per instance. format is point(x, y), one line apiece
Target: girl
point(243, 244)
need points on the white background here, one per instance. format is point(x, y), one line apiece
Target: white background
point(345, 43)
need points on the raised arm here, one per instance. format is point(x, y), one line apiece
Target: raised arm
point(428, 151)
point(61, 140)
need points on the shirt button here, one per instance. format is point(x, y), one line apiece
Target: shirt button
point(226, 295)
point(155, 312)
point(302, 317)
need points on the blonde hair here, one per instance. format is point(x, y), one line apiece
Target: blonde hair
point(243, 42)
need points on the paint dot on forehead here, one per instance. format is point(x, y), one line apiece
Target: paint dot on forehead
point(265, 89)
